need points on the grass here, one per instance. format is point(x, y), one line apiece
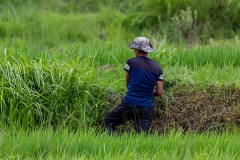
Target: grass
point(61, 65)
point(88, 144)
point(43, 27)
point(77, 84)
point(55, 23)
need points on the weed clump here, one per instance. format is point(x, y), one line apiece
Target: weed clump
point(192, 108)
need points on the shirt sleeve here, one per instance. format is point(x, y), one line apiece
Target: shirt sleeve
point(160, 76)
point(127, 67)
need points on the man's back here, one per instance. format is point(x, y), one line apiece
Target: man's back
point(144, 72)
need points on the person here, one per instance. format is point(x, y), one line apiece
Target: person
point(142, 74)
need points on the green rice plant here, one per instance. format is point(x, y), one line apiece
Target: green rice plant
point(57, 23)
point(218, 57)
point(88, 144)
point(43, 27)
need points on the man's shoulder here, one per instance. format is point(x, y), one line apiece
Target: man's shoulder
point(142, 60)
point(155, 63)
point(132, 61)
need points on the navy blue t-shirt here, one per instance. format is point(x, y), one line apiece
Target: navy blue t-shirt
point(144, 73)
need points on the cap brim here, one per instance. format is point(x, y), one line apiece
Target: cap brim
point(134, 45)
point(150, 48)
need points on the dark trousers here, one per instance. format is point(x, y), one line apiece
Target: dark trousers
point(142, 117)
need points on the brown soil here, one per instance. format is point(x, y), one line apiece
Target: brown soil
point(197, 110)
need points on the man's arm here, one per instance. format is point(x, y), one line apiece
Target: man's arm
point(159, 89)
point(127, 79)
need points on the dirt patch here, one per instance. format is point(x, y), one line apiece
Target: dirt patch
point(196, 109)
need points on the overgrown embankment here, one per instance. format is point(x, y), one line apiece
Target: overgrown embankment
point(194, 108)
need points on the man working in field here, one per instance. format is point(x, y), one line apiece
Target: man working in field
point(142, 74)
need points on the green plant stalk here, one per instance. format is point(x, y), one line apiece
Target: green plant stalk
point(89, 144)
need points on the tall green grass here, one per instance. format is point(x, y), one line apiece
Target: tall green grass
point(54, 23)
point(88, 144)
point(71, 91)
point(39, 26)
point(77, 86)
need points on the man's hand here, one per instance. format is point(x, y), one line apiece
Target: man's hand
point(159, 89)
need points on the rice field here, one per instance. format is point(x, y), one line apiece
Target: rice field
point(88, 144)
point(72, 89)
point(58, 81)
point(75, 84)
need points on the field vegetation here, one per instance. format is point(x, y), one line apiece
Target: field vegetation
point(80, 85)
point(61, 72)
point(87, 144)
point(57, 23)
